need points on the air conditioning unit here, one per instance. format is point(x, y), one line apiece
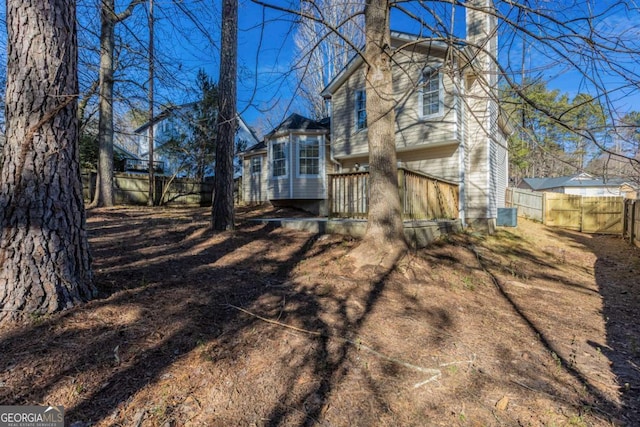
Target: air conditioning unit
point(507, 217)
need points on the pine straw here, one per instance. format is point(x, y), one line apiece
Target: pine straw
point(272, 327)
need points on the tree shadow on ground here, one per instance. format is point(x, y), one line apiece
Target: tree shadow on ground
point(617, 273)
point(266, 326)
point(541, 323)
point(153, 276)
point(169, 288)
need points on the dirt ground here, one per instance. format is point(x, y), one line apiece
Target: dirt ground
point(271, 327)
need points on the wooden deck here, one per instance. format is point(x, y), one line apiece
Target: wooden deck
point(422, 197)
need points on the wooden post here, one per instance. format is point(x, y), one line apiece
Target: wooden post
point(632, 222)
point(402, 192)
point(628, 214)
point(330, 196)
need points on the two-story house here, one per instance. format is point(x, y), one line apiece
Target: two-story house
point(172, 124)
point(448, 124)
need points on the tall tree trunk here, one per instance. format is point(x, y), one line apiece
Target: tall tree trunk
point(150, 97)
point(104, 187)
point(384, 239)
point(222, 209)
point(108, 21)
point(43, 241)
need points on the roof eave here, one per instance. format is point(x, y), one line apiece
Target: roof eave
point(342, 76)
point(252, 153)
point(288, 132)
point(396, 36)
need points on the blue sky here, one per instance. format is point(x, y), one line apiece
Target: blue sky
point(188, 41)
point(267, 51)
point(188, 34)
point(612, 22)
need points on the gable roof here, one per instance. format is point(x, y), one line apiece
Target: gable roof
point(579, 180)
point(296, 122)
point(293, 123)
point(175, 110)
point(166, 112)
point(400, 40)
point(260, 147)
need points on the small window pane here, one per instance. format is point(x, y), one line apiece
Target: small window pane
point(279, 159)
point(309, 157)
point(361, 109)
point(256, 165)
point(431, 93)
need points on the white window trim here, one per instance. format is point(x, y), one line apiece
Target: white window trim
point(440, 112)
point(300, 142)
point(285, 150)
point(355, 107)
point(251, 165)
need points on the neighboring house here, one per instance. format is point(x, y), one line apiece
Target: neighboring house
point(172, 123)
point(581, 184)
point(122, 155)
point(448, 124)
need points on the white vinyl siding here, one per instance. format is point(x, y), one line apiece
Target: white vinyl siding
point(254, 185)
point(480, 195)
point(439, 161)
point(345, 139)
point(590, 191)
point(413, 130)
point(301, 160)
point(500, 161)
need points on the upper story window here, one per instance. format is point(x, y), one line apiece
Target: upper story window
point(256, 165)
point(431, 93)
point(361, 109)
point(279, 159)
point(309, 156)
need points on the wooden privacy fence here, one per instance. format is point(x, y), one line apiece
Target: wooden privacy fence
point(530, 204)
point(582, 213)
point(631, 221)
point(421, 196)
point(133, 189)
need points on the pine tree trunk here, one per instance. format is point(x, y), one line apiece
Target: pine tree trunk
point(43, 241)
point(222, 209)
point(384, 238)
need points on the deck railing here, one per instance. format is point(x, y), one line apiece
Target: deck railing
point(421, 196)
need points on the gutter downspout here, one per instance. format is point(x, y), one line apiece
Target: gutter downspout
point(462, 164)
point(327, 182)
point(331, 157)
